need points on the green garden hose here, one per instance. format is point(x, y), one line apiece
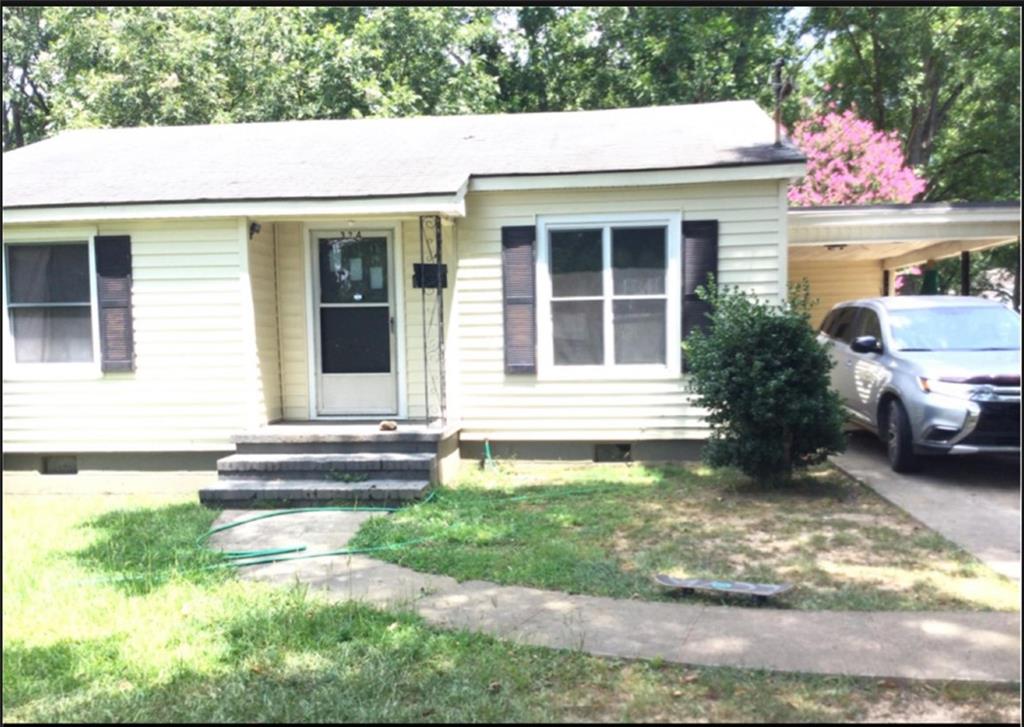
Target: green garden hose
point(263, 556)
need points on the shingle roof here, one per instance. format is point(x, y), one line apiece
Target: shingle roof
point(378, 157)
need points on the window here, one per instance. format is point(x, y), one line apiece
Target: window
point(608, 295)
point(842, 326)
point(826, 324)
point(50, 302)
point(868, 325)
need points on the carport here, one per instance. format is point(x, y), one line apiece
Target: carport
point(854, 251)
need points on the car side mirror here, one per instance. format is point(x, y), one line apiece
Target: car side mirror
point(866, 344)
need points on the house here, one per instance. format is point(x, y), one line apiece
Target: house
point(262, 295)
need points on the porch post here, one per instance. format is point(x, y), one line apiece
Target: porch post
point(965, 272)
point(439, 244)
point(423, 320)
point(885, 282)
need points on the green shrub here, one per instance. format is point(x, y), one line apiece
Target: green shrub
point(764, 378)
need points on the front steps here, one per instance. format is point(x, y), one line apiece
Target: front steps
point(310, 465)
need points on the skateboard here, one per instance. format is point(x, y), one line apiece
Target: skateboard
point(760, 591)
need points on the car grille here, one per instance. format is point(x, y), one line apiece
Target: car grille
point(998, 426)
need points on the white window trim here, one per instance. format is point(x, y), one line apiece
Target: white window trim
point(546, 368)
point(20, 371)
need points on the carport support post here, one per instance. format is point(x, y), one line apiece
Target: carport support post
point(965, 272)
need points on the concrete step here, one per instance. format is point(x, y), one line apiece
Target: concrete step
point(350, 467)
point(277, 492)
point(332, 446)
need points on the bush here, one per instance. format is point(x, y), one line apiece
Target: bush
point(764, 378)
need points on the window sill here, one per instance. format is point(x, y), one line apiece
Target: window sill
point(608, 373)
point(52, 372)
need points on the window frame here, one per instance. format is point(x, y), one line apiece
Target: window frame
point(672, 221)
point(42, 371)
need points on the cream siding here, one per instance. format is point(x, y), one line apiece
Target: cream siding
point(195, 361)
point(752, 236)
point(292, 321)
point(833, 282)
point(263, 283)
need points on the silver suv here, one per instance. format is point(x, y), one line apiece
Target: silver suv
point(929, 374)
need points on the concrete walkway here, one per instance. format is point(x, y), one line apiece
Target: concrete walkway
point(955, 646)
point(972, 501)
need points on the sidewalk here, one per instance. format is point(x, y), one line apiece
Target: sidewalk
point(949, 646)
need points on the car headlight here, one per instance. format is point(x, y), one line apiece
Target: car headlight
point(977, 392)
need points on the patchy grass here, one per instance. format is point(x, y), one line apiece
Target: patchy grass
point(177, 643)
point(606, 530)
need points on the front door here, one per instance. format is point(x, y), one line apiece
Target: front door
point(354, 323)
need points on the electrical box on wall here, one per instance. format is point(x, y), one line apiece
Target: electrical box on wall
point(424, 275)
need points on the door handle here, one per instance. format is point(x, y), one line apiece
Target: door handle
point(391, 322)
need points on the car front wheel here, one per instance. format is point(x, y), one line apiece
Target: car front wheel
point(898, 440)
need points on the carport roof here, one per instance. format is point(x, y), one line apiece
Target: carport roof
point(900, 234)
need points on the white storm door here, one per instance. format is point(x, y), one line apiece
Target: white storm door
point(354, 324)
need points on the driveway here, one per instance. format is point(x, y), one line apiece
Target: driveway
point(972, 501)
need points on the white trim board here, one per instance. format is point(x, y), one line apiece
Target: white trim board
point(639, 178)
point(451, 205)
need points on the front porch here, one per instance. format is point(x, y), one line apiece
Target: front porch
point(344, 338)
point(342, 332)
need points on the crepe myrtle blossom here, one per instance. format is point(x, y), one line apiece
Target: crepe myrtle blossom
point(849, 161)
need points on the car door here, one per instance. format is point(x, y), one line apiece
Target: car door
point(840, 333)
point(867, 371)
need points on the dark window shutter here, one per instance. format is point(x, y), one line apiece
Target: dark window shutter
point(700, 257)
point(114, 299)
point(519, 298)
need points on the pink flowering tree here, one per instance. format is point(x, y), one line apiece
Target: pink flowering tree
point(849, 161)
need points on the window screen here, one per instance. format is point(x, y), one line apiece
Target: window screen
point(49, 302)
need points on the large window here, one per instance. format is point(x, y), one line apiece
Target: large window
point(609, 295)
point(49, 302)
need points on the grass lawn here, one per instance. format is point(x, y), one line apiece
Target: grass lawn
point(607, 529)
point(174, 643)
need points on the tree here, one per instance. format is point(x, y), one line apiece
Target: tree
point(26, 107)
point(764, 379)
point(850, 162)
point(948, 77)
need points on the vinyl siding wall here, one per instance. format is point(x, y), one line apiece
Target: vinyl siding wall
point(196, 364)
point(263, 283)
point(292, 321)
point(833, 282)
point(500, 406)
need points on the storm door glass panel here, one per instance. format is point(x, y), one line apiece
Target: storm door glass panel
point(638, 260)
point(578, 332)
point(355, 340)
point(354, 271)
point(576, 263)
point(49, 302)
point(355, 318)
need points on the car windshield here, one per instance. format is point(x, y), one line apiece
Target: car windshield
point(949, 328)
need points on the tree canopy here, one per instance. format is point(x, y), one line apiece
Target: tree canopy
point(944, 80)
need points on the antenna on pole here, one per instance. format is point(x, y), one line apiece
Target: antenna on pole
point(781, 88)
